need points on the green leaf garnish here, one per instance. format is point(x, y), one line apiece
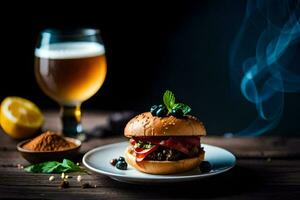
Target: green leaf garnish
point(169, 101)
point(143, 145)
point(68, 164)
point(148, 145)
point(185, 108)
point(54, 167)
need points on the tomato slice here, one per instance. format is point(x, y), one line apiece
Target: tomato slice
point(180, 143)
point(132, 142)
point(193, 140)
point(143, 153)
point(187, 140)
point(173, 144)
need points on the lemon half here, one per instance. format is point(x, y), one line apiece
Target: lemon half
point(19, 117)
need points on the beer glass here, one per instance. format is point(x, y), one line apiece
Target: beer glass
point(70, 67)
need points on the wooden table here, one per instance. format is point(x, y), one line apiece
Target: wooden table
point(267, 168)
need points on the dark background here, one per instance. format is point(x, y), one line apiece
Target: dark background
point(182, 46)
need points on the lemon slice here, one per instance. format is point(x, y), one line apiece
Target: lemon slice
point(19, 117)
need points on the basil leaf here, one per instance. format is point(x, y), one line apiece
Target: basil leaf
point(33, 168)
point(69, 164)
point(45, 167)
point(169, 100)
point(185, 108)
point(53, 167)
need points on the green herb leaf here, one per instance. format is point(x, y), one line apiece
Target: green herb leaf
point(46, 167)
point(33, 168)
point(141, 144)
point(148, 145)
point(169, 100)
point(185, 108)
point(69, 164)
point(53, 167)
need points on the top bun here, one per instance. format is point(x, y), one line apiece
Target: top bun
point(147, 125)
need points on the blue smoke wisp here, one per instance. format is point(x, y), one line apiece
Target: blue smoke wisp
point(261, 59)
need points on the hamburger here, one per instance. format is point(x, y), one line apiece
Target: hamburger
point(165, 140)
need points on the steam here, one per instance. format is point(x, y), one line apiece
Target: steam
point(263, 59)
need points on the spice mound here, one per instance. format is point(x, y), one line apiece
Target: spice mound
point(49, 141)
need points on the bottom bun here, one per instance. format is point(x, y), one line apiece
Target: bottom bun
point(162, 167)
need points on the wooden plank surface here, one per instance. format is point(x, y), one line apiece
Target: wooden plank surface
point(267, 168)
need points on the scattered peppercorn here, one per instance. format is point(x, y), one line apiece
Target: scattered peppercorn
point(64, 184)
point(119, 163)
point(113, 162)
point(86, 185)
point(205, 166)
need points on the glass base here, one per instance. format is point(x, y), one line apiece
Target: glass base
point(71, 122)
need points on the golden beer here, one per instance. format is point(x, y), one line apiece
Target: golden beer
point(70, 72)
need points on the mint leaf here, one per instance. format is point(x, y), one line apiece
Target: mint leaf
point(56, 169)
point(33, 168)
point(185, 108)
point(169, 100)
point(53, 167)
point(70, 165)
point(45, 167)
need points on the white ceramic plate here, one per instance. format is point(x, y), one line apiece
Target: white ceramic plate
point(97, 160)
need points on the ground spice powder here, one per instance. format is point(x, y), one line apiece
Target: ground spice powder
point(49, 141)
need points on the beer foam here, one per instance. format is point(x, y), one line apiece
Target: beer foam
point(70, 50)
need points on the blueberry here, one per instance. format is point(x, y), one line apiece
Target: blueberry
point(122, 165)
point(121, 158)
point(113, 162)
point(205, 166)
point(161, 112)
point(177, 113)
point(154, 109)
point(161, 106)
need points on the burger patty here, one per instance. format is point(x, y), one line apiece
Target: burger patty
point(167, 154)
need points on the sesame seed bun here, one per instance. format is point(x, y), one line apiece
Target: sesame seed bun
point(147, 125)
point(162, 167)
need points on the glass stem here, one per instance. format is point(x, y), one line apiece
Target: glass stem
point(71, 121)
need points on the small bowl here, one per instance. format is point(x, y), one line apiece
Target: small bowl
point(42, 156)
